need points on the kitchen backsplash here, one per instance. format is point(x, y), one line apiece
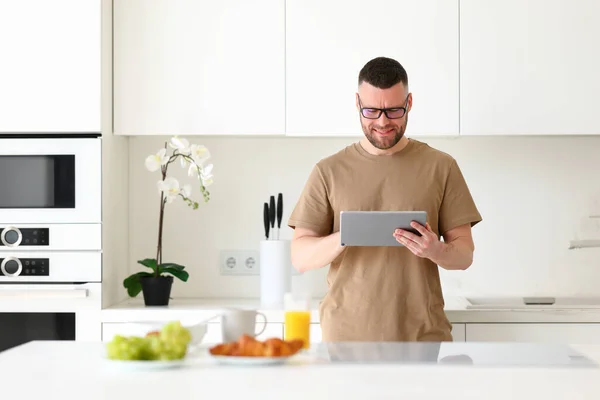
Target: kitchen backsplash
point(535, 195)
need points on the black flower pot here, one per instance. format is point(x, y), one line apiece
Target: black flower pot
point(156, 290)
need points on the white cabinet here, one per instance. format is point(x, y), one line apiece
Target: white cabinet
point(529, 67)
point(569, 333)
point(199, 67)
point(328, 42)
point(50, 68)
point(316, 335)
point(458, 332)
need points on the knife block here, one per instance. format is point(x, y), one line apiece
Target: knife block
point(275, 271)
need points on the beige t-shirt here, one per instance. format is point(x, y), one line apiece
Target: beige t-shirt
point(384, 293)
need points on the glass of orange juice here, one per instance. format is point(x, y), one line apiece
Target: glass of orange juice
point(297, 317)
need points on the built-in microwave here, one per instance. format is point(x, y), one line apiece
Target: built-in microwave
point(50, 180)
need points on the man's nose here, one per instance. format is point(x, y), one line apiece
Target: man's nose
point(383, 119)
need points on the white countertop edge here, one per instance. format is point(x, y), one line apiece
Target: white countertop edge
point(198, 309)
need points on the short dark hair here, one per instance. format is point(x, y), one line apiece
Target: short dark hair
point(383, 73)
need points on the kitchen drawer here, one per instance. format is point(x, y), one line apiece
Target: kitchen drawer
point(534, 333)
point(459, 332)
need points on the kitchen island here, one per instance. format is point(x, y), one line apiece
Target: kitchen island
point(78, 370)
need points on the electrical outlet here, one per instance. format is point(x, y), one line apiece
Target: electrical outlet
point(249, 262)
point(239, 262)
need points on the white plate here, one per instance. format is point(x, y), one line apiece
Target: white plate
point(147, 365)
point(237, 360)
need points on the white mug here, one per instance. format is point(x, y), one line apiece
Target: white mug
point(235, 323)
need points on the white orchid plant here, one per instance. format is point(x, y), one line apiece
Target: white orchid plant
point(195, 158)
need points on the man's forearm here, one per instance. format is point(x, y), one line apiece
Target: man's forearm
point(457, 254)
point(310, 252)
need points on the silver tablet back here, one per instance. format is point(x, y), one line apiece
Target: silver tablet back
point(376, 228)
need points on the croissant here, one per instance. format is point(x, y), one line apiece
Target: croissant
point(248, 346)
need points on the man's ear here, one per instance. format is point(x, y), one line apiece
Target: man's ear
point(357, 102)
point(409, 105)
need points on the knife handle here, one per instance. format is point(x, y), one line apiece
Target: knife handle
point(266, 220)
point(272, 211)
point(279, 209)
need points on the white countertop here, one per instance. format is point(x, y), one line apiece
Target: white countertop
point(457, 309)
point(77, 370)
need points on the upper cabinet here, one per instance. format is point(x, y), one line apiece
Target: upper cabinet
point(328, 42)
point(275, 67)
point(50, 66)
point(529, 67)
point(197, 67)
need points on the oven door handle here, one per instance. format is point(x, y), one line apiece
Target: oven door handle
point(43, 293)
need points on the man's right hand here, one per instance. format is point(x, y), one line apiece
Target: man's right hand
point(311, 251)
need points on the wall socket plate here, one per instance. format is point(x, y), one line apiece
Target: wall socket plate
point(242, 262)
point(239, 262)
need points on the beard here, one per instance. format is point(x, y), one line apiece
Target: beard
point(388, 141)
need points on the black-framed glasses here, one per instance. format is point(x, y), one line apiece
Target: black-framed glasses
point(390, 113)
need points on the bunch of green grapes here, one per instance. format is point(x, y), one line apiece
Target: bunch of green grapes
point(128, 348)
point(169, 344)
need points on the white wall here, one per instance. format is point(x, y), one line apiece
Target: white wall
point(534, 193)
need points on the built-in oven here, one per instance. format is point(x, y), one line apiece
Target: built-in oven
point(50, 239)
point(60, 311)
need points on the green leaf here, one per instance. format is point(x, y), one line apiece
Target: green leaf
point(183, 275)
point(172, 265)
point(149, 262)
point(132, 283)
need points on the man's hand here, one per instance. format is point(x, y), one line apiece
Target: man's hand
point(426, 246)
point(455, 252)
point(311, 251)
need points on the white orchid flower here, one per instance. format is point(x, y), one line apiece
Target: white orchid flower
point(186, 191)
point(206, 182)
point(193, 170)
point(207, 170)
point(180, 144)
point(206, 175)
point(155, 161)
point(199, 154)
point(170, 187)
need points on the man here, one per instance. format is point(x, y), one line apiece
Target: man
point(385, 293)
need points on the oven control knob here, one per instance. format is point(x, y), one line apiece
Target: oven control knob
point(11, 236)
point(11, 266)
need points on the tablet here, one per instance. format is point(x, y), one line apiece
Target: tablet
point(376, 228)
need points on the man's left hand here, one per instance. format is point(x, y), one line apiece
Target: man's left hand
point(426, 246)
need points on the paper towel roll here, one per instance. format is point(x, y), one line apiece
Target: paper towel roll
point(275, 271)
